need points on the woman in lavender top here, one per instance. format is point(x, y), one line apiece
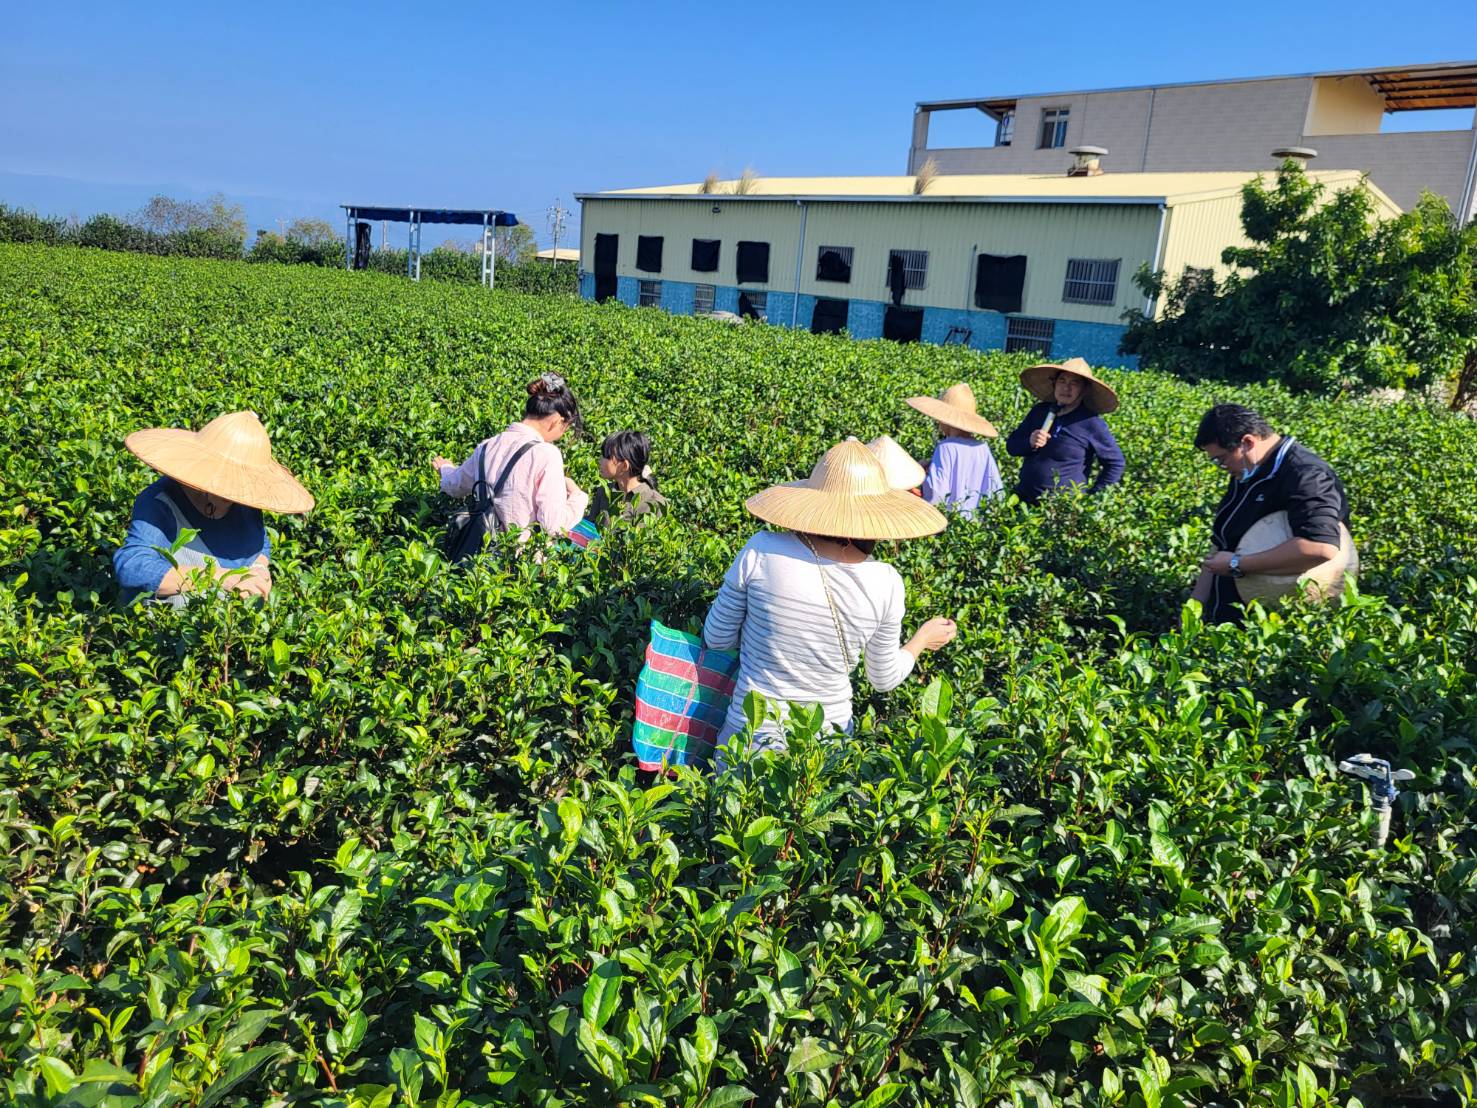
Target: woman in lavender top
point(962, 470)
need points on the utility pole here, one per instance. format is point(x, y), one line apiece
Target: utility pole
point(557, 218)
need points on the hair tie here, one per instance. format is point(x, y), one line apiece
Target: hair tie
point(645, 471)
point(552, 381)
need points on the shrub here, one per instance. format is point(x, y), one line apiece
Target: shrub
point(382, 830)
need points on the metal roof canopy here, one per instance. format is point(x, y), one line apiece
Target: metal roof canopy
point(1405, 88)
point(488, 218)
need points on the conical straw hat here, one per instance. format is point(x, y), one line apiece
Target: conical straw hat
point(230, 457)
point(1323, 582)
point(955, 407)
point(902, 471)
point(1098, 397)
point(847, 496)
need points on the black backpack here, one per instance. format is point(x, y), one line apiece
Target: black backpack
point(464, 535)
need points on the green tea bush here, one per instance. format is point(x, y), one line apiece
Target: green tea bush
point(379, 841)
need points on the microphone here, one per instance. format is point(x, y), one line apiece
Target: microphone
point(1050, 419)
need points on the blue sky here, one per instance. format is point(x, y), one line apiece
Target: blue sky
point(294, 108)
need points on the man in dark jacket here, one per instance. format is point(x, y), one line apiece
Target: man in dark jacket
point(1269, 473)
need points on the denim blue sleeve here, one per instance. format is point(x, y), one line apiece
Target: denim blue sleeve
point(266, 538)
point(138, 565)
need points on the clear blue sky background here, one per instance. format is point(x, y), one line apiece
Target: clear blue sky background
point(292, 109)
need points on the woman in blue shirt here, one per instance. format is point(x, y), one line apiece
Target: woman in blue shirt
point(217, 482)
point(1064, 435)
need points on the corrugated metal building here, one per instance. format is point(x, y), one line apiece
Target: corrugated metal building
point(1041, 263)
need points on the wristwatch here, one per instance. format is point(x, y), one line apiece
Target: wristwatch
point(1236, 566)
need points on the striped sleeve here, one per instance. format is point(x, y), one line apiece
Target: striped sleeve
point(888, 664)
point(725, 620)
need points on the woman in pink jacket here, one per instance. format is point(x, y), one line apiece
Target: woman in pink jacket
point(535, 490)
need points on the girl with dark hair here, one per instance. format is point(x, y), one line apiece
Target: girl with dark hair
point(523, 467)
point(625, 462)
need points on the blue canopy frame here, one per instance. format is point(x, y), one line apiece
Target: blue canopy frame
point(489, 218)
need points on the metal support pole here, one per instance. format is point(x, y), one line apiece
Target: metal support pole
point(492, 265)
point(799, 263)
point(348, 238)
point(487, 248)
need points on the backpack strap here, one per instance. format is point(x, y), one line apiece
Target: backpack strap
point(489, 507)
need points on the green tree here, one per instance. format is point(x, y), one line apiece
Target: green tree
point(517, 244)
point(1325, 297)
point(313, 232)
point(168, 215)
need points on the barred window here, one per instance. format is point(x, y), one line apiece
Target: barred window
point(833, 263)
point(760, 300)
point(702, 298)
point(651, 294)
point(1091, 281)
point(915, 268)
point(1032, 335)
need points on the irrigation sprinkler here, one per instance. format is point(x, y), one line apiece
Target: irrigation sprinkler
point(1376, 773)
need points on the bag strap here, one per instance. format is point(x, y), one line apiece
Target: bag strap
point(489, 506)
point(831, 601)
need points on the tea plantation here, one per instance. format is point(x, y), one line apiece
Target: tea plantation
point(379, 840)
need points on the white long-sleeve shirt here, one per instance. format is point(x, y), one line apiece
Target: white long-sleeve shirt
point(535, 491)
point(772, 608)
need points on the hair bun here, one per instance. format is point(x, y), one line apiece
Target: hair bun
point(537, 387)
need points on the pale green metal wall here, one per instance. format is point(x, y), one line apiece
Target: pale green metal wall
point(1048, 234)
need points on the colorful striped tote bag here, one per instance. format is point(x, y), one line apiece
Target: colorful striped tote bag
point(584, 534)
point(682, 697)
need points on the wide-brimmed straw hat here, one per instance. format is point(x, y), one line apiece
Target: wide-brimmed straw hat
point(955, 407)
point(847, 496)
point(1039, 381)
point(229, 457)
point(902, 470)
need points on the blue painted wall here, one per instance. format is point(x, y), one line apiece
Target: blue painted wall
point(1097, 342)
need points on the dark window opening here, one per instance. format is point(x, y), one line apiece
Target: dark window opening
point(999, 282)
point(834, 264)
point(902, 324)
point(649, 253)
point(829, 317)
point(605, 255)
point(753, 263)
point(705, 255)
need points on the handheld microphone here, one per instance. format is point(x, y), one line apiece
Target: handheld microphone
point(1050, 419)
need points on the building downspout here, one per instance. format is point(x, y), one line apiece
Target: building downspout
point(1469, 190)
point(799, 262)
point(1158, 258)
point(1148, 131)
point(969, 274)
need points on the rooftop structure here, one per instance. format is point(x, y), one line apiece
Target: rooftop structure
point(1233, 125)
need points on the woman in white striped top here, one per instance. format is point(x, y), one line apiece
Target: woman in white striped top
point(802, 605)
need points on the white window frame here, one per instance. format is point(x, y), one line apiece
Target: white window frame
point(1024, 333)
point(699, 292)
point(649, 294)
point(1091, 281)
point(1057, 119)
point(1005, 128)
point(915, 268)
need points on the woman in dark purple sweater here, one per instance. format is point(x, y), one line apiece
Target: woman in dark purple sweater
point(1065, 434)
